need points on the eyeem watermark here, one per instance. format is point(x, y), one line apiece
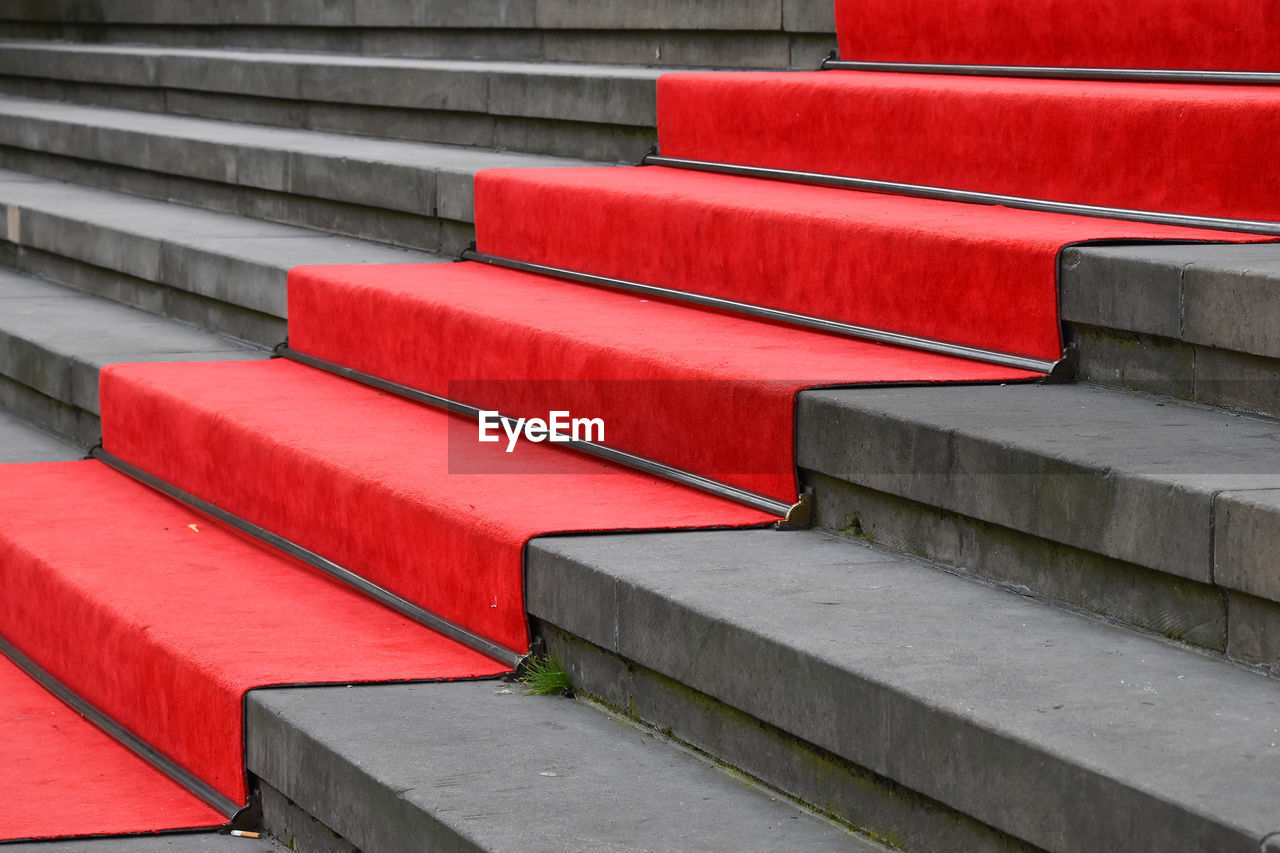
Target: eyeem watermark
point(560, 427)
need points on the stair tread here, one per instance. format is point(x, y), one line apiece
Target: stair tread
point(1043, 715)
point(567, 91)
point(162, 242)
point(101, 786)
point(497, 767)
point(414, 177)
point(55, 339)
point(489, 14)
point(1111, 456)
point(566, 69)
point(21, 441)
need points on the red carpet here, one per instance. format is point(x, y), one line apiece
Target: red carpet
point(380, 485)
point(1197, 34)
point(703, 391)
point(63, 776)
point(976, 275)
point(104, 585)
point(164, 620)
point(1207, 150)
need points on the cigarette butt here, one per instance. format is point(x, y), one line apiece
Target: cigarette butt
point(244, 833)
point(193, 528)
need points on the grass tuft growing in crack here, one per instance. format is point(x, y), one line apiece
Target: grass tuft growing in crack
point(543, 676)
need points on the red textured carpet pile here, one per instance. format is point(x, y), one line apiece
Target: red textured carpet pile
point(163, 619)
point(1206, 35)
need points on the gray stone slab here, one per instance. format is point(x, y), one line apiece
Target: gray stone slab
point(809, 16)
point(230, 258)
point(58, 340)
point(1247, 545)
point(1120, 474)
point(661, 14)
point(1223, 296)
point(480, 766)
point(190, 842)
point(20, 441)
point(602, 93)
point(1067, 732)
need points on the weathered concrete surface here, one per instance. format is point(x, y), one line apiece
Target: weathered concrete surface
point(602, 94)
point(479, 766)
point(1195, 321)
point(222, 257)
point(475, 14)
point(56, 340)
point(1121, 474)
point(22, 442)
point(1247, 545)
point(413, 177)
point(1066, 732)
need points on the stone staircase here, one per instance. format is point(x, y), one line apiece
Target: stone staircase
point(1030, 617)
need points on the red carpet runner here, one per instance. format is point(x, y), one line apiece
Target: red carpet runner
point(164, 627)
point(1180, 148)
point(1195, 34)
point(163, 619)
point(63, 776)
point(976, 275)
point(703, 391)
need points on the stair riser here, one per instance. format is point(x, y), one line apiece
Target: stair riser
point(788, 15)
point(685, 49)
point(69, 422)
point(1173, 368)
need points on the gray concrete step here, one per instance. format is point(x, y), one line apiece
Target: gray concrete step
point(417, 195)
point(746, 33)
point(54, 340)
point(592, 111)
point(23, 441)
point(930, 709)
point(220, 272)
point(1148, 510)
point(480, 766)
point(1198, 322)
